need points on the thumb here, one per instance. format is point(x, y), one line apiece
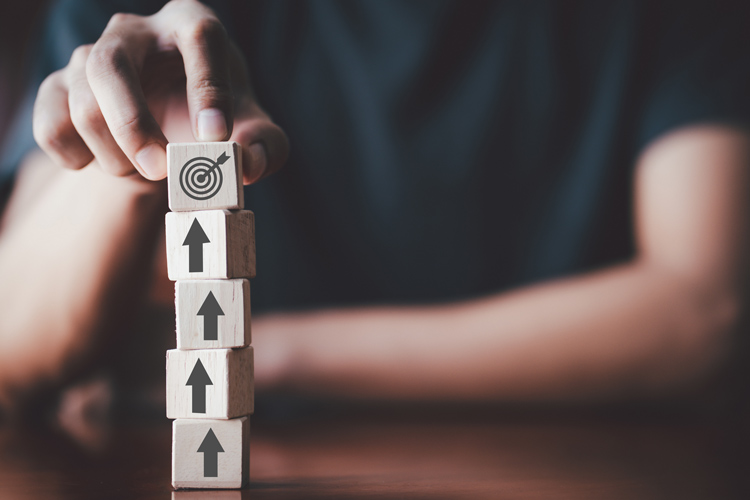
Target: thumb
point(265, 147)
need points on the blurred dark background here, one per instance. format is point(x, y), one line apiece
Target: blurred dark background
point(433, 453)
point(18, 30)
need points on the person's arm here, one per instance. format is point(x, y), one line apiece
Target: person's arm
point(76, 247)
point(659, 323)
point(76, 251)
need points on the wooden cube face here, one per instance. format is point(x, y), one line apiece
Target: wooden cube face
point(210, 383)
point(211, 453)
point(212, 314)
point(204, 176)
point(210, 244)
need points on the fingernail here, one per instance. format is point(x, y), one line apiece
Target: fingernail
point(212, 126)
point(153, 161)
point(258, 161)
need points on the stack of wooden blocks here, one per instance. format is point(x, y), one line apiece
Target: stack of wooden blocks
point(210, 256)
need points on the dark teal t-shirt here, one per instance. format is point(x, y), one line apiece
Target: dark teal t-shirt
point(444, 150)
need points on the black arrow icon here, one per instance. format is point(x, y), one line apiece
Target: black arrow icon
point(210, 447)
point(194, 241)
point(219, 161)
point(210, 310)
point(199, 379)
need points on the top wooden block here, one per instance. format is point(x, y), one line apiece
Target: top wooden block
point(204, 176)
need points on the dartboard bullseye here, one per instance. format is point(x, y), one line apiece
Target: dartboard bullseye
point(201, 178)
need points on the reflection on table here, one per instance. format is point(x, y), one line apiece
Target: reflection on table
point(400, 455)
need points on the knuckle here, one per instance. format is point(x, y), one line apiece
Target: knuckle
point(49, 83)
point(120, 19)
point(106, 57)
point(130, 130)
point(190, 5)
point(203, 29)
point(52, 135)
point(80, 55)
point(212, 88)
point(85, 114)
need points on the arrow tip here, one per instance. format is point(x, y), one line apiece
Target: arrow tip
point(210, 443)
point(210, 307)
point(199, 376)
point(196, 235)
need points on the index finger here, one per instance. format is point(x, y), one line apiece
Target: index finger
point(203, 43)
point(113, 69)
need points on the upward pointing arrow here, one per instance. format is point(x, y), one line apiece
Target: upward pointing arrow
point(210, 310)
point(210, 447)
point(194, 241)
point(199, 379)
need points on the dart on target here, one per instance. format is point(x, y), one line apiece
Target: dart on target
point(201, 178)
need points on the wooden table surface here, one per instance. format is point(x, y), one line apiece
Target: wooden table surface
point(399, 456)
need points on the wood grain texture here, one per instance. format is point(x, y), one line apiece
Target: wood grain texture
point(188, 463)
point(231, 393)
point(229, 252)
point(232, 327)
point(195, 157)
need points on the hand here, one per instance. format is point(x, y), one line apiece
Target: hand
point(120, 100)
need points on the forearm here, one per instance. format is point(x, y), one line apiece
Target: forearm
point(629, 329)
point(72, 259)
point(658, 323)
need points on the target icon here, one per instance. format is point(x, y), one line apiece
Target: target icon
point(201, 178)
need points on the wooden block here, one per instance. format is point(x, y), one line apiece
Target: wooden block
point(210, 383)
point(211, 453)
point(216, 244)
point(212, 314)
point(204, 176)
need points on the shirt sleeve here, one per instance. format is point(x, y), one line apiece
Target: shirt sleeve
point(66, 25)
